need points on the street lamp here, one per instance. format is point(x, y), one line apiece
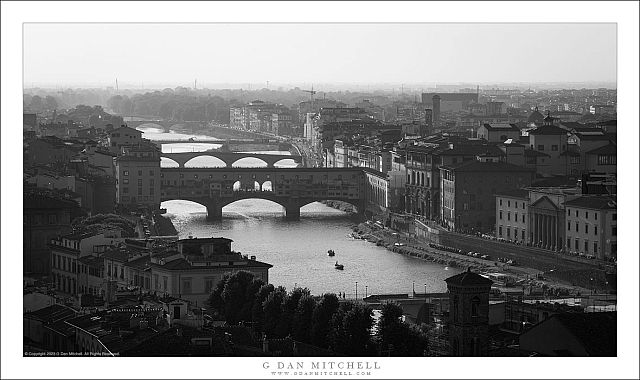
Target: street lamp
point(356, 290)
point(414, 287)
point(425, 293)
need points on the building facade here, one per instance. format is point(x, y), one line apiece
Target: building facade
point(138, 176)
point(468, 192)
point(591, 228)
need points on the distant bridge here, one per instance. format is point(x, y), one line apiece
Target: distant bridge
point(167, 125)
point(291, 188)
point(236, 145)
point(229, 158)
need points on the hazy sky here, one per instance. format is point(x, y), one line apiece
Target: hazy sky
point(74, 54)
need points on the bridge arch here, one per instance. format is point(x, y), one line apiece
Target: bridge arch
point(249, 156)
point(288, 163)
point(210, 160)
point(166, 162)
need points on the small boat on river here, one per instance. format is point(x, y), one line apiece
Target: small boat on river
point(331, 252)
point(339, 266)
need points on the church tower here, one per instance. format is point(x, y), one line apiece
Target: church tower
point(468, 314)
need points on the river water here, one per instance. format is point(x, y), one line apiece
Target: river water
point(298, 249)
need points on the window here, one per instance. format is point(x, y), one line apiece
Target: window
point(577, 214)
point(500, 202)
point(586, 228)
point(164, 283)
point(208, 285)
point(125, 190)
point(606, 159)
point(508, 203)
point(125, 181)
point(140, 182)
point(508, 216)
point(577, 227)
point(586, 246)
point(125, 173)
point(595, 216)
point(595, 230)
point(475, 306)
point(139, 191)
point(508, 232)
point(569, 225)
point(139, 172)
point(554, 148)
point(186, 286)
point(53, 219)
point(614, 230)
point(500, 231)
point(540, 147)
point(500, 214)
point(568, 243)
point(577, 246)
point(522, 236)
point(595, 247)
point(515, 233)
point(614, 216)
point(522, 218)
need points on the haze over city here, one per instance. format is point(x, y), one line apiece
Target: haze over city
point(333, 55)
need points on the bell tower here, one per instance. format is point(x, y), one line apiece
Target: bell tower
point(468, 314)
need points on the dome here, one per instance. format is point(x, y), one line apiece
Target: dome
point(535, 117)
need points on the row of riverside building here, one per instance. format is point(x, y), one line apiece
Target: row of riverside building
point(561, 175)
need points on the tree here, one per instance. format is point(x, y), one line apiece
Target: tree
point(396, 337)
point(51, 102)
point(257, 313)
point(36, 103)
point(289, 307)
point(215, 300)
point(321, 319)
point(302, 319)
point(272, 308)
point(234, 297)
point(351, 329)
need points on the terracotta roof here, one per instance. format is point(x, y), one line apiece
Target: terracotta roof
point(594, 202)
point(519, 193)
point(610, 148)
point(468, 278)
point(477, 166)
point(502, 127)
point(534, 153)
point(548, 130)
point(596, 331)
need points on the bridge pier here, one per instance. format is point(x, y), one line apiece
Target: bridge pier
point(214, 212)
point(292, 212)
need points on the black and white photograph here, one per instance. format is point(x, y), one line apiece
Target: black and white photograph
point(320, 190)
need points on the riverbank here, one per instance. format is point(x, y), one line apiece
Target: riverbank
point(163, 226)
point(519, 278)
point(342, 206)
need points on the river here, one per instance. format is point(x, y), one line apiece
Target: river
point(298, 249)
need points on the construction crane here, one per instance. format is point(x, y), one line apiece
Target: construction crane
point(311, 92)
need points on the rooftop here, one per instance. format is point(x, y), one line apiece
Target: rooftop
point(468, 278)
point(519, 193)
point(593, 202)
point(610, 149)
point(502, 127)
point(548, 130)
point(477, 166)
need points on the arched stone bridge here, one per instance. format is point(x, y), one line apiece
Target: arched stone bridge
point(292, 188)
point(165, 124)
point(229, 158)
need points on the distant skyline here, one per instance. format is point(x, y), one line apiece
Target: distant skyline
point(152, 55)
